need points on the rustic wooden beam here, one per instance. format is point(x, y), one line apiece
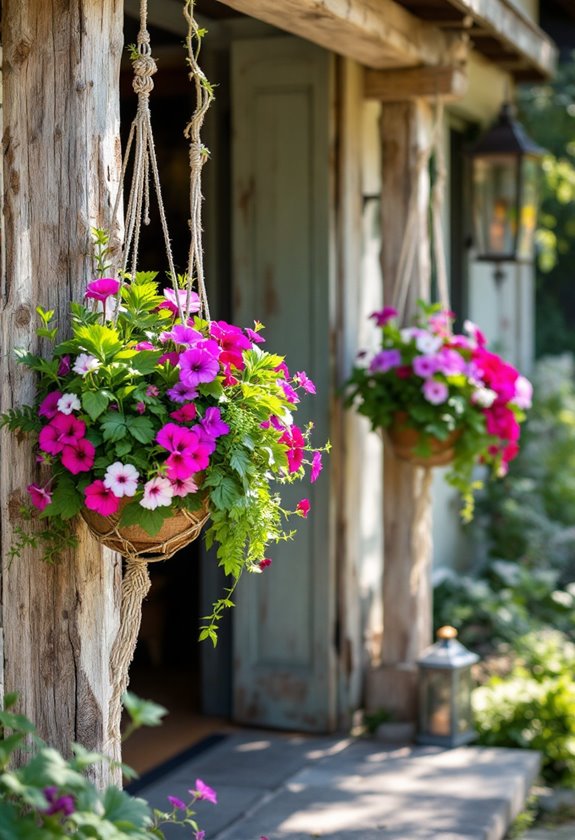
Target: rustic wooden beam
point(413, 83)
point(376, 33)
point(60, 169)
point(514, 28)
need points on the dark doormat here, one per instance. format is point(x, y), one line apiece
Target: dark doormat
point(156, 773)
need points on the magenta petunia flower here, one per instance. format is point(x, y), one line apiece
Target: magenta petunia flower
point(171, 358)
point(303, 508)
point(144, 345)
point(265, 563)
point(79, 457)
point(316, 466)
point(182, 465)
point(290, 394)
point(185, 414)
point(70, 428)
point(49, 405)
point(200, 835)
point(102, 289)
point(385, 360)
point(101, 499)
point(64, 805)
point(140, 407)
point(177, 803)
point(203, 791)
point(212, 423)
point(255, 336)
point(180, 334)
point(64, 366)
point(198, 365)
point(152, 391)
point(176, 438)
point(425, 366)
point(39, 496)
point(384, 315)
point(294, 440)
point(450, 362)
point(434, 391)
point(302, 379)
point(181, 393)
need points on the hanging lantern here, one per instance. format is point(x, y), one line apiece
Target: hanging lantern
point(445, 685)
point(506, 166)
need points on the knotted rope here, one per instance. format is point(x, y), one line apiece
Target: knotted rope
point(133, 543)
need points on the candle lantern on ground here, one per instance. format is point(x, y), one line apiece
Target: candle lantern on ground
point(445, 685)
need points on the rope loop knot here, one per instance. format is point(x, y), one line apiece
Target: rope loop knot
point(144, 68)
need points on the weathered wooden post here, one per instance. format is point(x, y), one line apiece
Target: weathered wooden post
point(61, 162)
point(406, 129)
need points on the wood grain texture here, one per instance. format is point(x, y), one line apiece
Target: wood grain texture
point(405, 128)
point(414, 83)
point(376, 33)
point(61, 158)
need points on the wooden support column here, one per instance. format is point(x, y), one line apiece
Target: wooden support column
point(405, 129)
point(61, 162)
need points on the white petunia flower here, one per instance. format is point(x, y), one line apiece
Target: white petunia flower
point(121, 479)
point(68, 403)
point(428, 343)
point(85, 364)
point(484, 397)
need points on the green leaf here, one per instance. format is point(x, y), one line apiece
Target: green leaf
point(125, 811)
point(150, 520)
point(225, 494)
point(123, 448)
point(114, 426)
point(143, 712)
point(102, 342)
point(211, 389)
point(66, 502)
point(240, 461)
point(142, 429)
point(95, 403)
point(145, 361)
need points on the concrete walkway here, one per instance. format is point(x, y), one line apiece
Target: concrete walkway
point(288, 787)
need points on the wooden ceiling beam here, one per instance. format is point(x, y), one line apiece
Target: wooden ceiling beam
point(376, 33)
point(414, 83)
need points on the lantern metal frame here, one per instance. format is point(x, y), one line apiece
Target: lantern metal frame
point(452, 662)
point(507, 141)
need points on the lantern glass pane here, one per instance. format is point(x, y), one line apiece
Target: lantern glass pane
point(529, 200)
point(438, 705)
point(463, 694)
point(495, 205)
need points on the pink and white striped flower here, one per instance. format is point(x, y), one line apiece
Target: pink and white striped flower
point(121, 479)
point(158, 492)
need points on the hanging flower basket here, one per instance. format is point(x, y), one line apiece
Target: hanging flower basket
point(176, 532)
point(419, 449)
point(442, 399)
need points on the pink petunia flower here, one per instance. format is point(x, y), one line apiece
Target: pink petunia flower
point(171, 301)
point(434, 391)
point(303, 508)
point(255, 336)
point(39, 496)
point(294, 440)
point(122, 479)
point(183, 465)
point(158, 492)
point(62, 431)
point(203, 791)
point(101, 499)
point(523, 393)
point(152, 391)
point(180, 334)
point(102, 289)
point(176, 438)
point(79, 457)
point(232, 342)
point(140, 407)
point(290, 394)
point(49, 405)
point(144, 345)
point(184, 486)
point(200, 835)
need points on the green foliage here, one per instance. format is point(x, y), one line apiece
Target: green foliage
point(49, 796)
point(534, 707)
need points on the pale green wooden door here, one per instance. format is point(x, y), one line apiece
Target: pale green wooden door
point(284, 663)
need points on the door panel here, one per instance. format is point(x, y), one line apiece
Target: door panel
point(284, 664)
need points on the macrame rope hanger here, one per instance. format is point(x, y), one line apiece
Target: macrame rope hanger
point(136, 580)
point(410, 239)
point(141, 140)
